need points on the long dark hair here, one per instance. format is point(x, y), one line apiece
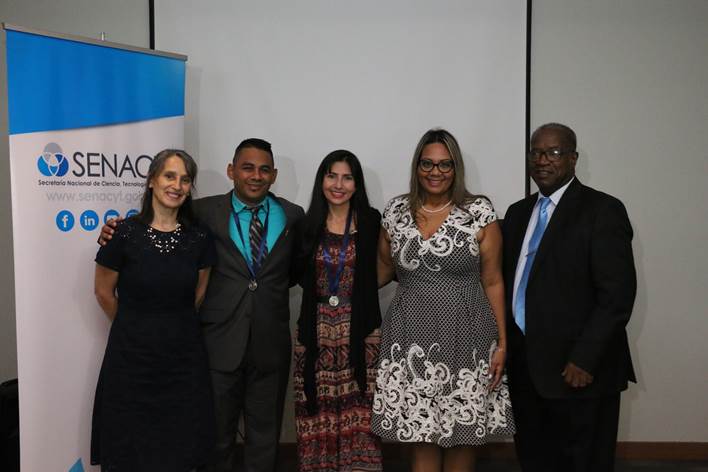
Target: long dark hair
point(185, 214)
point(316, 216)
point(459, 194)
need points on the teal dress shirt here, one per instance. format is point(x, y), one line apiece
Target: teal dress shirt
point(276, 223)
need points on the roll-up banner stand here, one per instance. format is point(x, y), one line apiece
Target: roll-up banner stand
point(85, 119)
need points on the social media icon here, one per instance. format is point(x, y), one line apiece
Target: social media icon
point(89, 220)
point(65, 220)
point(109, 214)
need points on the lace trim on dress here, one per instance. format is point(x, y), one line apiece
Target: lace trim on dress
point(414, 403)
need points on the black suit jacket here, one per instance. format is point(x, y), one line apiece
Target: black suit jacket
point(231, 314)
point(580, 292)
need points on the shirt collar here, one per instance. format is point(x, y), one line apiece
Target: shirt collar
point(556, 196)
point(239, 206)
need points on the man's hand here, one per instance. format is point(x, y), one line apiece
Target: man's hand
point(107, 230)
point(575, 376)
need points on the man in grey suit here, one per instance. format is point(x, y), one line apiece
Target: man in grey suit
point(245, 314)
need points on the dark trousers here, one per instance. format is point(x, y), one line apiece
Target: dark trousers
point(561, 435)
point(259, 396)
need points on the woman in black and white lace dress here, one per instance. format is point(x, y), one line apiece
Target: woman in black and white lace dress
point(440, 382)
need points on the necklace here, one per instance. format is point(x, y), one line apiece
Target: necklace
point(437, 210)
point(164, 241)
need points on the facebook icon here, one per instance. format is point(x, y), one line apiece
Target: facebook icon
point(65, 220)
point(89, 220)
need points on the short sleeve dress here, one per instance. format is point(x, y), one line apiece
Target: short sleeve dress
point(438, 335)
point(153, 409)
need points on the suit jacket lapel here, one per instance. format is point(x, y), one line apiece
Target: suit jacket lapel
point(566, 208)
point(517, 237)
point(223, 219)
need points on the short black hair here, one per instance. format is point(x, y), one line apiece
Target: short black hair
point(565, 130)
point(256, 143)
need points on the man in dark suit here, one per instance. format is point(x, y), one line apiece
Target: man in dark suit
point(571, 283)
point(245, 314)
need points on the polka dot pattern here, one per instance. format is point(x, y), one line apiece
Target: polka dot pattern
point(438, 335)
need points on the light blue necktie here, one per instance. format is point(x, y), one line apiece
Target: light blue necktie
point(520, 304)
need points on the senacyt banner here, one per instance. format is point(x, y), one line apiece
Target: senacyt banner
point(85, 120)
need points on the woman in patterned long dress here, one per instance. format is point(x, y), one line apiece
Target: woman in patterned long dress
point(440, 382)
point(338, 330)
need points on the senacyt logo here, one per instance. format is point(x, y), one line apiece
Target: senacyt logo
point(53, 162)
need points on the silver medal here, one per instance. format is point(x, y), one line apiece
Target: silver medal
point(252, 285)
point(333, 300)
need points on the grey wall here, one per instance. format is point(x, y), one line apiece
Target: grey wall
point(123, 22)
point(630, 77)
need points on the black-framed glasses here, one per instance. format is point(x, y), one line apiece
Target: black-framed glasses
point(426, 165)
point(553, 155)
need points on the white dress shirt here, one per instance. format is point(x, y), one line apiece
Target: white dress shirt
point(523, 254)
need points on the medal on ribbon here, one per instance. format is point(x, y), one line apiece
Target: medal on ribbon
point(334, 273)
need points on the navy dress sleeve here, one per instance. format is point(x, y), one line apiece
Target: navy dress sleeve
point(112, 255)
point(207, 254)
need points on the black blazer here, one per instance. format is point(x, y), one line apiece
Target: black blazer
point(580, 292)
point(231, 314)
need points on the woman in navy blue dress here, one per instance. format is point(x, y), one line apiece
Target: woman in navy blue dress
point(153, 409)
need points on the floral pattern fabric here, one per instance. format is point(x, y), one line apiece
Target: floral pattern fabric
point(338, 437)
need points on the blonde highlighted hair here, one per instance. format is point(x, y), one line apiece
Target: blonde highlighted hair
point(459, 194)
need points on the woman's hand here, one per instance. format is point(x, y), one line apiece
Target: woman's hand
point(496, 369)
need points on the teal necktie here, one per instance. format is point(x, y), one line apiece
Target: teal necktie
point(520, 303)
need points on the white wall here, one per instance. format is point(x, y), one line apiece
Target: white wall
point(123, 22)
point(631, 77)
point(368, 76)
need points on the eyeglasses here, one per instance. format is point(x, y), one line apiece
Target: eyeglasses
point(426, 165)
point(553, 155)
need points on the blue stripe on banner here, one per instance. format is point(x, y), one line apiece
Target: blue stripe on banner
point(56, 84)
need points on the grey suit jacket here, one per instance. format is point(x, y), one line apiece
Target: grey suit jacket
point(233, 316)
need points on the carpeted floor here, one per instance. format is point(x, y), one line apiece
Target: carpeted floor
point(396, 460)
point(486, 465)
